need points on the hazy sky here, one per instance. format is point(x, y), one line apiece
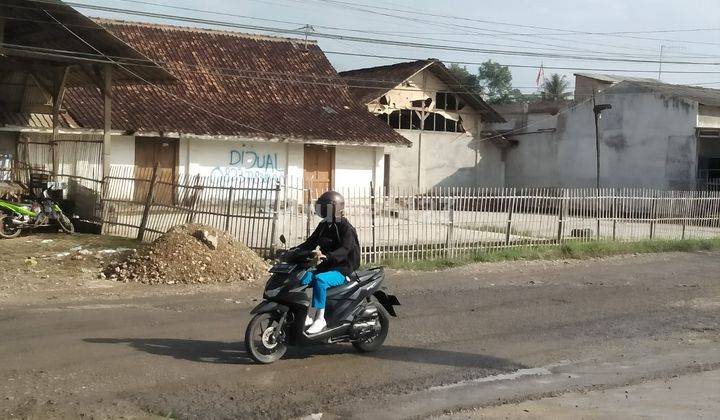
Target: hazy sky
point(483, 25)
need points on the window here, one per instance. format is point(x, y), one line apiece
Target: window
point(407, 119)
point(448, 101)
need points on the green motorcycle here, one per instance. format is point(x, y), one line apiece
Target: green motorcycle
point(16, 217)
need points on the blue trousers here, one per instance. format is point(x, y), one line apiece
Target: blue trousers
point(320, 283)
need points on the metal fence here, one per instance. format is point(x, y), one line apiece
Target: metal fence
point(399, 223)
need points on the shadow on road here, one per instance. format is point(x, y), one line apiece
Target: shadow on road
point(234, 352)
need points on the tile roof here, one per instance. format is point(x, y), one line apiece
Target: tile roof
point(371, 83)
point(238, 85)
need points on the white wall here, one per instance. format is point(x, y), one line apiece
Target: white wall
point(354, 166)
point(647, 140)
point(447, 160)
point(122, 151)
point(219, 158)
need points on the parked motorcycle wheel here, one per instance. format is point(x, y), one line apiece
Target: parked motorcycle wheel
point(8, 229)
point(65, 223)
point(258, 338)
point(374, 343)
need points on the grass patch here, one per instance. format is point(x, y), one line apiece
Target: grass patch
point(568, 250)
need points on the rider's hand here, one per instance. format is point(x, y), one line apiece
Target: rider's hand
point(318, 255)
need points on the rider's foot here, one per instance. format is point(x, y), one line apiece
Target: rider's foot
point(317, 326)
point(308, 321)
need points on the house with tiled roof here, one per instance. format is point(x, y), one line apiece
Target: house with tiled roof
point(240, 104)
point(422, 101)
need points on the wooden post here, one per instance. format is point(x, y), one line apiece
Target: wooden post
point(107, 116)
point(451, 224)
point(148, 204)
point(193, 202)
point(58, 91)
point(273, 231)
point(509, 221)
point(372, 218)
point(561, 217)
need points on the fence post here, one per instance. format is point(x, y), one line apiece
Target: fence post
point(228, 209)
point(276, 216)
point(653, 215)
point(373, 253)
point(148, 204)
point(509, 221)
point(561, 217)
point(614, 215)
point(193, 202)
point(308, 214)
point(451, 225)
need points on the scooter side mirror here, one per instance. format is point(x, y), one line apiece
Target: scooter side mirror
point(283, 240)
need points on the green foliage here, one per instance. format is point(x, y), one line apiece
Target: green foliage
point(493, 82)
point(568, 250)
point(555, 88)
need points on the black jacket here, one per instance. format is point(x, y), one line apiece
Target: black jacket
point(339, 242)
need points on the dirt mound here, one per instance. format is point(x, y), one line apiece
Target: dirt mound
point(191, 253)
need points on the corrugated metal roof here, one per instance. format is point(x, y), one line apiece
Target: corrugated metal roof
point(238, 85)
point(702, 95)
point(613, 78)
point(373, 82)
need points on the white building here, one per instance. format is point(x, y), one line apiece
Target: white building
point(428, 106)
point(657, 135)
point(241, 105)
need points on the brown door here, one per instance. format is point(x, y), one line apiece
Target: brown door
point(319, 163)
point(148, 151)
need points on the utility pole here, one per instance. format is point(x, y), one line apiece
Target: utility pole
point(597, 110)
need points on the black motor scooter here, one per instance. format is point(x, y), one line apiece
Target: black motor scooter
point(357, 311)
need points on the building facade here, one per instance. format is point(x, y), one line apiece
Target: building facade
point(656, 135)
point(241, 105)
point(443, 121)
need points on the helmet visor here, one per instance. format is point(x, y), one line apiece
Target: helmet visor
point(325, 211)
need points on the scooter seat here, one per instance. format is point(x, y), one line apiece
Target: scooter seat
point(347, 287)
point(363, 275)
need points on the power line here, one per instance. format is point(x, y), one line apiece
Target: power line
point(379, 41)
point(567, 31)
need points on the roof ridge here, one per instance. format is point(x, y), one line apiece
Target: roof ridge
point(246, 35)
point(426, 61)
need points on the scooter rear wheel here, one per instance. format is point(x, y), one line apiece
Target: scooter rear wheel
point(8, 229)
point(375, 342)
point(259, 340)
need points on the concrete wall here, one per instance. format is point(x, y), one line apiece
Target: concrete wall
point(708, 116)
point(447, 160)
point(355, 166)
point(647, 140)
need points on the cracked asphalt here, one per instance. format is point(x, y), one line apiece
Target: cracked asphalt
point(589, 324)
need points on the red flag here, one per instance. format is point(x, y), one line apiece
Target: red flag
point(541, 75)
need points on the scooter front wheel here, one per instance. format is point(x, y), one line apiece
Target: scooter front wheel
point(260, 338)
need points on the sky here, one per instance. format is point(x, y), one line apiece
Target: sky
point(541, 28)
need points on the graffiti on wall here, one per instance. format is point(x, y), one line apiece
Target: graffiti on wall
point(249, 163)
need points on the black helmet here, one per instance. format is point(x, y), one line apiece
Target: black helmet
point(330, 203)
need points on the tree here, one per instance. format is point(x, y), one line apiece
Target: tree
point(555, 88)
point(493, 82)
point(496, 80)
point(469, 81)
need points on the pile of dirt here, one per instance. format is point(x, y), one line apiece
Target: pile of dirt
point(188, 254)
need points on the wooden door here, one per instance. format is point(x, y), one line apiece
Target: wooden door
point(319, 164)
point(148, 151)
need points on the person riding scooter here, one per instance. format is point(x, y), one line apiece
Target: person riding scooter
point(339, 253)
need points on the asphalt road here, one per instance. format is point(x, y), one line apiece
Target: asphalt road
point(475, 336)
